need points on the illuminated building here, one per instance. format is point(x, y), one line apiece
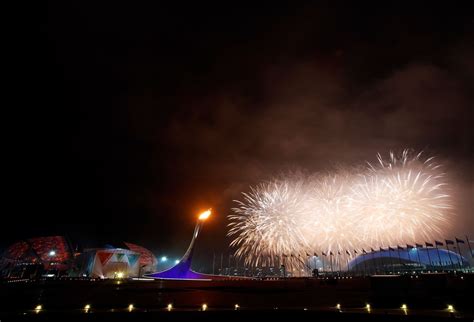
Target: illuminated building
point(408, 259)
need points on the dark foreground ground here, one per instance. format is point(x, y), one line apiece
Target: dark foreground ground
point(427, 298)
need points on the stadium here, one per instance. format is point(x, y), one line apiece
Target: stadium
point(53, 256)
point(422, 259)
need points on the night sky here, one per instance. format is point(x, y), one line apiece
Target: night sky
point(129, 120)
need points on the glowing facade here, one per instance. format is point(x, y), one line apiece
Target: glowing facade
point(147, 260)
point(35, 256)
point(109, 263)
point(415, 258)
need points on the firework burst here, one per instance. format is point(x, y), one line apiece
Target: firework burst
point(394, 201)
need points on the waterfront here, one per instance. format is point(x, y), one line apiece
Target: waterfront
point(417, 296)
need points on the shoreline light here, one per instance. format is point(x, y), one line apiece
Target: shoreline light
point(38, 308)
point(404, 307)
point(169, 307)
point(204, 307)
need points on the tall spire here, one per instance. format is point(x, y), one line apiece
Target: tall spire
point(182, 270)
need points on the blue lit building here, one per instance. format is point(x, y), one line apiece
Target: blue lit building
point(408, 259)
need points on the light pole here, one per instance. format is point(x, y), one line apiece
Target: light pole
point(51, 254)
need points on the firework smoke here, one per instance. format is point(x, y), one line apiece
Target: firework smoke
point(395, 201)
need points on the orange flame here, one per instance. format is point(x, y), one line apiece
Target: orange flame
point(205, 214)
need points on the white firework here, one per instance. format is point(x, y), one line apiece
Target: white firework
point(399, 200)
point(270, 222)
point(403, 199)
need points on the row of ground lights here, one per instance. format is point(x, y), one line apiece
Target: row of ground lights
point(404, 308)
point(131, 307)
point(204, 307)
